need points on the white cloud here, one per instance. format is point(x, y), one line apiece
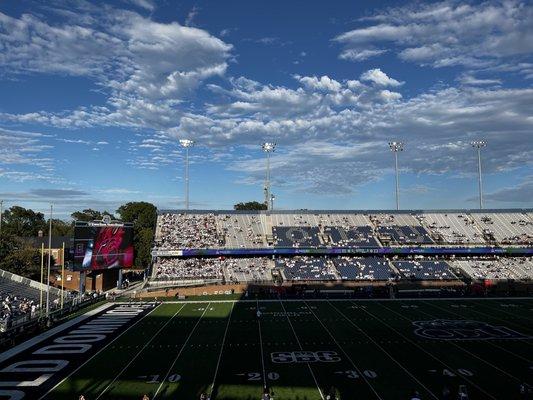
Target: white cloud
point(448, 33)
point(379, 78)
point(146, 67)
point(359, 55)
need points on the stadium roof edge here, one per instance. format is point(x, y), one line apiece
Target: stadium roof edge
point(307, 211)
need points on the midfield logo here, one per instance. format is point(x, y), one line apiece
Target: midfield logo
point(449, 329)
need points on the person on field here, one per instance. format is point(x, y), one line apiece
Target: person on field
point(82, 397)
point(258, 313)
point(416, 395)
point(463, 393)
point(145, 397)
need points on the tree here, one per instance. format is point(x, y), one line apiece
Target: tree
point(22, 222)
point(143, 215)
point(89, 215)
point(61, 228)
point(250, 205)
point(25, 261)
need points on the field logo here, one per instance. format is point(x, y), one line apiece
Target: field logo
point(449, 329)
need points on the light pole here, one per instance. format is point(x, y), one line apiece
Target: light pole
point(268, 147)
point(1, 211)
point(49, 262)
point(186, 144)
point(478, 145)
point(395, 148)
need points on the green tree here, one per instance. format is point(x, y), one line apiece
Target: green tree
point(25, 261)
point(143, 215)
point(22, 222)
point(89, 215)
point(250, 205)
point(61, 228)
point(8, 244)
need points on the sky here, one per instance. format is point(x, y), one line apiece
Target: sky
point(94, 97)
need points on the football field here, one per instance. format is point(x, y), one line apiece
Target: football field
point(305, 349)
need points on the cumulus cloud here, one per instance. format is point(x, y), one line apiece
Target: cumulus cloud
point(448, 33)
point(379, 78)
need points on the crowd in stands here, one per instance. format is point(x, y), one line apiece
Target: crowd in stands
point(247, 269)
point(424, 270)
point(188, 268)
point(306, 269)
point(177, 231)
point(363, 269)
point(213, 230)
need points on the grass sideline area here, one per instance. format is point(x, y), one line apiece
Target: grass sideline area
point(304, 349)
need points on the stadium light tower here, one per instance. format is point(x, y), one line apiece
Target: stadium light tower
point(478, 145)
point(395, 148)
point(186, 144)
point(268, 147)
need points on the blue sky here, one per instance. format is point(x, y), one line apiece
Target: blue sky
point(94, 97)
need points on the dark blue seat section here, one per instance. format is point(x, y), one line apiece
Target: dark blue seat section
point(305, 269)
point(363, 269)
point(360, 236)
point(406, 234)
point(296, 236)
point(425, 270)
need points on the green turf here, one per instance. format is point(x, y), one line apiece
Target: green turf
point(181, 350)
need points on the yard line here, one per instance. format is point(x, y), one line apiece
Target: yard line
point(261, 347)
point(179, 354)
point(98, 352)
point(221, 349)
point(138, 353)
point(384, 351)
point(463, 318)
point(427, 352)
point(301, 348)
point(345, 354)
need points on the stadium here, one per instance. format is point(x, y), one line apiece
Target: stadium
point(302, 305)
point(266, 200)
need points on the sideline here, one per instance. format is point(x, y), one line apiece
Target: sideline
point(51, 332)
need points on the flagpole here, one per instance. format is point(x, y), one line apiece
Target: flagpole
point(62, 273)
point(41, 287)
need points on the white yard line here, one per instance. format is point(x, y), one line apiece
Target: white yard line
point(301, 348)
point(139, 353)
point(427, 352)
point(385, 351)
point(345, 354)
point(179, 354)
point(221, 349)
point(261, 347)
point(99, 351)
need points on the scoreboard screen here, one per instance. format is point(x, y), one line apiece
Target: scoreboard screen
point(102, 246)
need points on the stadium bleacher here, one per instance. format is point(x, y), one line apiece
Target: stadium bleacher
point(424, 270)
point(363, 269)
point(306, 269)
point(300, 230)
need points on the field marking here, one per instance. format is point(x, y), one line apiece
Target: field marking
point(385, 351)
point(99, 351)
point(261, 347)
point(525, 341)
point(139, 352)
point(425, 351)
point(179, 353)
point(51, 332)
point(346, 355)
point(486, 341)
point(221, 350)
point(301, 348)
